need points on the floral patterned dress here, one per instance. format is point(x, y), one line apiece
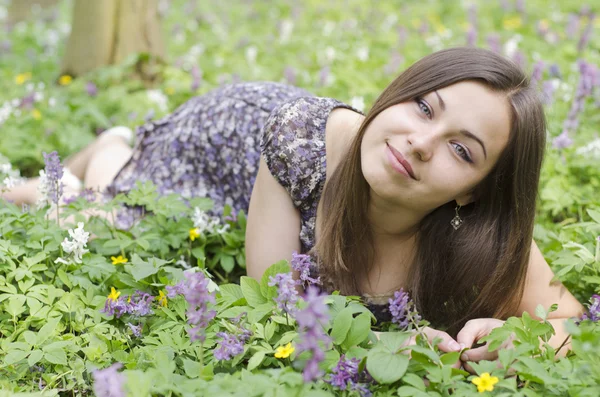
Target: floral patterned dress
point(211, 146)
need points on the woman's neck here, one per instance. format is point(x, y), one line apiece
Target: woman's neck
point(389, 222)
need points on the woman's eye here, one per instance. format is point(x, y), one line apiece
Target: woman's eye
point(462, 152)
point(424, 108)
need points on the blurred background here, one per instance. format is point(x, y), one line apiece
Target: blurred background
point(72, 68)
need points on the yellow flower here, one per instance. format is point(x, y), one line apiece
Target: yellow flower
point(114, 295)
point(65, 79)
point(485, 382)
point(284, 351)
point(162, 299)
point(512, 23)
point(170, 90)
point(22, 78)
point(118, 260)
point(36, 114)
point(194, 233)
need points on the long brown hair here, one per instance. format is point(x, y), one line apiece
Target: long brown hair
point(478, 270)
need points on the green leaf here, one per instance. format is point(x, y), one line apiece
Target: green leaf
point(414, 380)
point(251, 290)
point(227, 263)
point(14, 356)
point(191, 368)
point(55, 356)
point(279, 267)
point(450, 358)
point(409, 391)
point(35, 357)
point(30, 338)
point(256, 360)
point(393, 341)
point(386, 367)
point(341, 326)
point(359, 331)
point(16, 305)
point(141, 269)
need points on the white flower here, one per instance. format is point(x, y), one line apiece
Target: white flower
point(363, 54)
point(251, 53)
point(158, 97)
point(75, 246)
point(205, 223)
point(358, 103)
point(42, 189)
point(9, 182)
point(285, 32)
point(591, 150)
point(183, 263)
point(512, 45)
point(329, 54)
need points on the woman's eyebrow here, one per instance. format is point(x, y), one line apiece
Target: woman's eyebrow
point(466, 133)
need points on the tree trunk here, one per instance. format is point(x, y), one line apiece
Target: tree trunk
point(106, 32)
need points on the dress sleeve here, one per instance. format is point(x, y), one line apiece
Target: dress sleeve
point(293, 146)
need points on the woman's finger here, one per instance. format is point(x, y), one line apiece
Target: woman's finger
point(447, 344)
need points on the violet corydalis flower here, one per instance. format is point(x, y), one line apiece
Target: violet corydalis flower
point(195, 290)
point(312, 336)
point(345, 376)
point(593, 313)
point(91, 89)
point(287, 295)
point(109, 382)
point(229, 345)
point(54, 173)
point(301, 264)
point(402, 309)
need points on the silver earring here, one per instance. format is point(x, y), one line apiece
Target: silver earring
point(456, 222)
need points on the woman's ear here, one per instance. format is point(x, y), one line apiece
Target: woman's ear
point(465, 199)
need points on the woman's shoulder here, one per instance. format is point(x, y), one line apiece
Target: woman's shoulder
point(303, 118)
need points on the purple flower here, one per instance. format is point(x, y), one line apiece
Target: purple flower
point(520, 6)
point(593, 313)
point(287, 295)
point(140, 304)
point(290, 75)
point(91, 89)
point(109, 382)
point(196, 78)
point(554, 71)
point(195, 290)
point(536, 74)
point(229, 346)
point(115, 307)
point(301, 263)
point(548, 88)
point(54, 174)
point(402, 309)
point(345, 376)
point(324, 76)
point(493, 41)
point(311, 333)
point(135, 329)
point(587, 34)
point(572, 25)
point(589, 77)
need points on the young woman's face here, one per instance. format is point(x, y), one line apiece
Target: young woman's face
point(448, 141)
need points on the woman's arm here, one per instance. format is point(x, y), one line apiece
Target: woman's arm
point(540, 290)
point(273, 227)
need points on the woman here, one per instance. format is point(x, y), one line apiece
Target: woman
point(432, 191)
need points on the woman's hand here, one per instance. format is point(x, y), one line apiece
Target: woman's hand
point(446, 345)
point(473, 331)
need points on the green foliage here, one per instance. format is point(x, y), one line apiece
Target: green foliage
point(53, 331)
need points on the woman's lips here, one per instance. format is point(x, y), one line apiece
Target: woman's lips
point(399, 163)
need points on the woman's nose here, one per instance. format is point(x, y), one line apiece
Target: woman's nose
point(421, 144)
